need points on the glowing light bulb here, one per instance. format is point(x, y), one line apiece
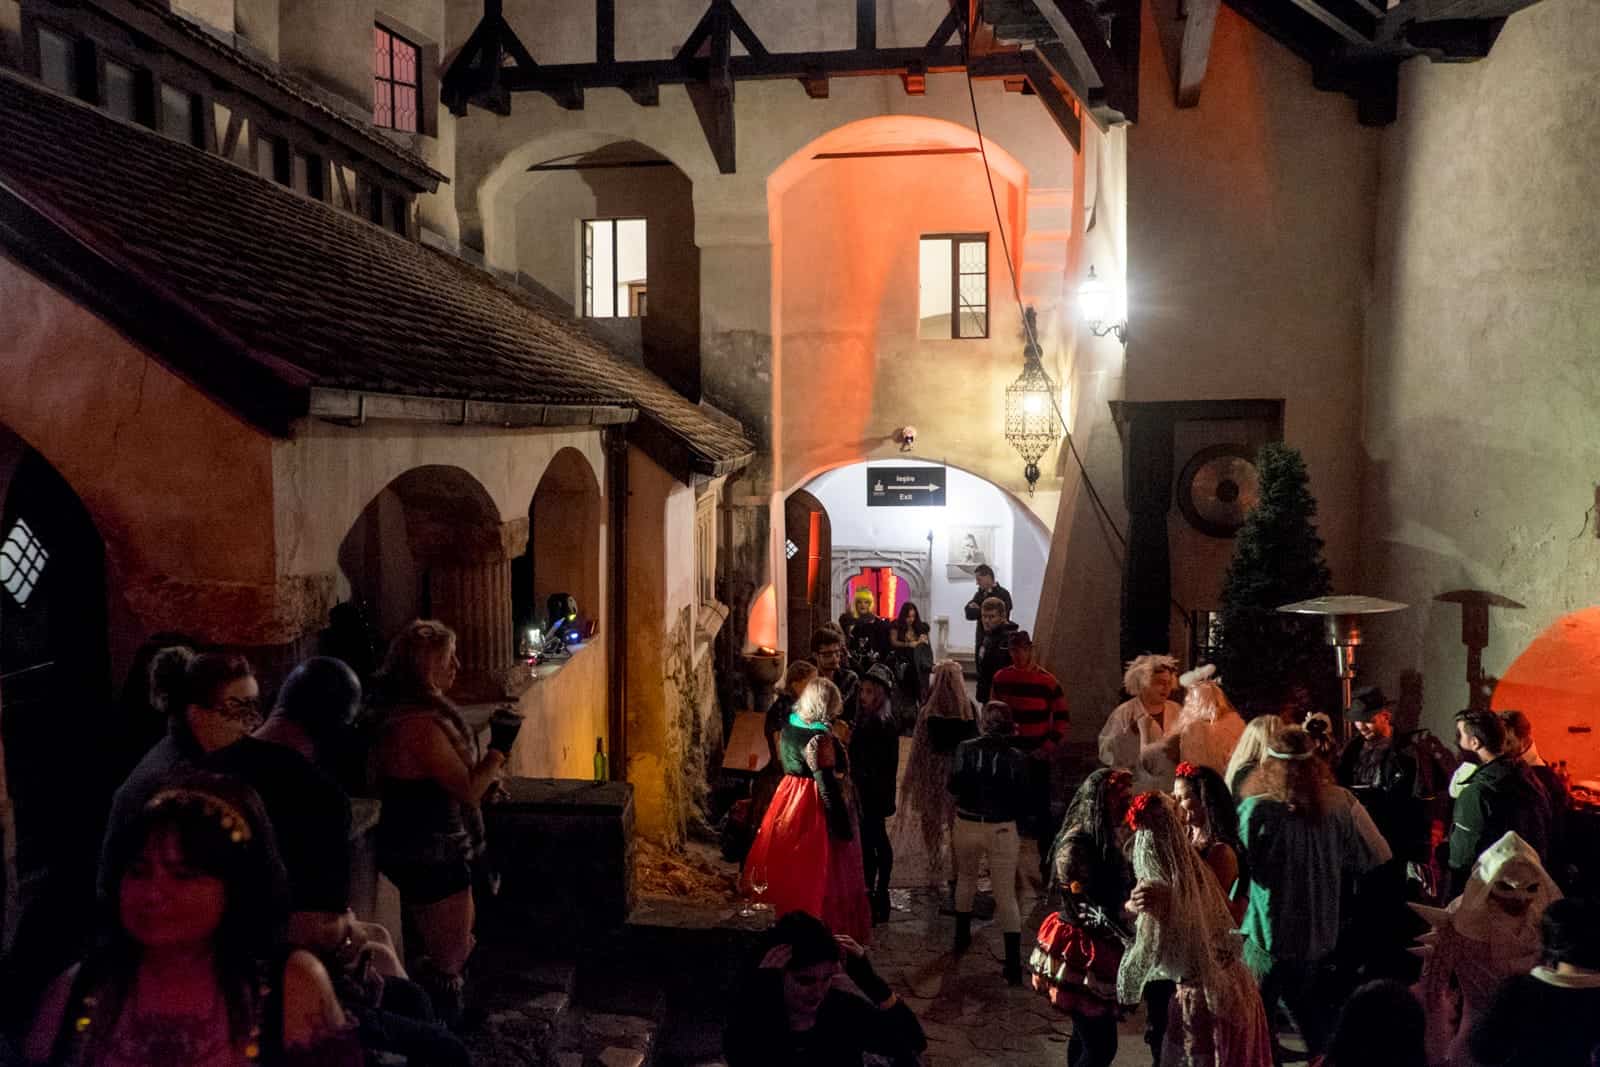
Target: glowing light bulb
point(1033, 404)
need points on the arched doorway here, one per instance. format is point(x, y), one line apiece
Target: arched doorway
point(431, 545)
point(808, 548)
point(926, 555)
point(55, 697)
point(563, 554)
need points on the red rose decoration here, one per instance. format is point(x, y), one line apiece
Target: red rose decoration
point(1187, 769)
point(1136, 810)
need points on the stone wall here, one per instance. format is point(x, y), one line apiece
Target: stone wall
point(1481, 429)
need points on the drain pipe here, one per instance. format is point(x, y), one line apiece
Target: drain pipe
point(616, 449)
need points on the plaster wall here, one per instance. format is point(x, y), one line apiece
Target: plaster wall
point(854, 368)
point(548, 246)
point(662, 707)
point(330, 45)
point(1480, 437)
point(1250, 225)
point(1077, 637)
point(218, 14)
point(326, 474)
point(1021, 542)
point(179, 488)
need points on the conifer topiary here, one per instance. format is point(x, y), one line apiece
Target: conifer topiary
point(1264, 657)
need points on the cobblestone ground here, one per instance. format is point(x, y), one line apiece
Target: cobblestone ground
point(972, 1018)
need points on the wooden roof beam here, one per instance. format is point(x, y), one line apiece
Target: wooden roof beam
point(1194, 49)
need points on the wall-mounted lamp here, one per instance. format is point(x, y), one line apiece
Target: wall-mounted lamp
point(1098, 306)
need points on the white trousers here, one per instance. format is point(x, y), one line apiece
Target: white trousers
point(999, 842)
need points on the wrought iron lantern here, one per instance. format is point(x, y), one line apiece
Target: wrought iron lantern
point(1032, 425)
point(1098, 306)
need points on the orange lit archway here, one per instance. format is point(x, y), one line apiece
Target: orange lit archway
point(1556, 681)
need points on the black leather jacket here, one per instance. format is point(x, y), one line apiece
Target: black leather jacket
point(990, 779)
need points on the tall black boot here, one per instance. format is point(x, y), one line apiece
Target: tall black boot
point(1013, 967)
point(963, 931)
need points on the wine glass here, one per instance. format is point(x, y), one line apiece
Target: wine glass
point(758, 886)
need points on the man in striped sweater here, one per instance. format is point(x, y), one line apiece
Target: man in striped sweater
point(1039, 714)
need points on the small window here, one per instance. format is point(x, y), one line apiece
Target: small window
point(953, 283)
point(182, 117)
point(399, 215)
point(58, 61)
point(22, 560)
point(614, 268)
point(272, 159)
point(396, 81)
point(308, 175)
point(119, 90)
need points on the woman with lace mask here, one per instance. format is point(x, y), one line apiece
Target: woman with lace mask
point(1184, 933)
point(927, 809)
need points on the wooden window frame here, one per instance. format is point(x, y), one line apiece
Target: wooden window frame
point(585, 256)
point(957, 240)
point(377, 82)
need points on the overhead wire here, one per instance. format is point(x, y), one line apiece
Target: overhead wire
point(1029, 327)
point(1016, 292)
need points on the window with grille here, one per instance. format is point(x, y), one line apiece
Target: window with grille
point(396, 81)
point(953, 284)
point(22, 560)
point(705, 548)
point(614, 268)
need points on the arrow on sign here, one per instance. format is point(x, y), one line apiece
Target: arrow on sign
point(926, 488)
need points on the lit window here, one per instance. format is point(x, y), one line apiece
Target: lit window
point(58, 62)
point(953, 279)
point(396, 81)
point(614, 268)
point(22, 559)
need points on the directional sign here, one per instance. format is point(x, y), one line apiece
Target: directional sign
point(905, 487)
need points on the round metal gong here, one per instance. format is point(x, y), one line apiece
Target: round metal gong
point(1218, 487)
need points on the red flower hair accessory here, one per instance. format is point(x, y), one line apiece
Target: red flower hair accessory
point(1187, 770)
point(1140, 805)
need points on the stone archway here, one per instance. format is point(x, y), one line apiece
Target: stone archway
point(56, 709)
point(431, 544)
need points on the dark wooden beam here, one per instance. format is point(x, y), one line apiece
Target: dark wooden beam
point(866, 24)
point(948, 29)
point(1058, 103)
point(605, 31)
point(1454, 40)
point(1127, 27)
point(1348, 18)
point(1194, 49)
point(816, 86)
point(712, 97)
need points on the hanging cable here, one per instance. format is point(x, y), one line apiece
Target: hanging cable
point(1028, 326)
point(1016, 292)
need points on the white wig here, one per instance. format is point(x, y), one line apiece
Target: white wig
point(1140, 668)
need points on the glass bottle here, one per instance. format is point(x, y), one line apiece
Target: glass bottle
point(601, 771)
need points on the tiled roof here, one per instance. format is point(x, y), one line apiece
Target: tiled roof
point(382, 147)
point(313, 296)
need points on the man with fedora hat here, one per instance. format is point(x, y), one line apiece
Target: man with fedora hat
point(1380, 768)
point(874, 762)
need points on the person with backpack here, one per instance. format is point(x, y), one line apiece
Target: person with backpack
point(1499, 797)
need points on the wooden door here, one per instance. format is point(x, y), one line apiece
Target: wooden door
point(808, 545)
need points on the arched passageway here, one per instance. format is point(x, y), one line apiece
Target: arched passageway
point(431, 545)
point(563, 553)
point(929, 553)
point(63, 748)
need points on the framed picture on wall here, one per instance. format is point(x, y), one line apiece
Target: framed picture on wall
point(967, 547)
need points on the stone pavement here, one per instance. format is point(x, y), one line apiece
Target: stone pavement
point(972, 1018)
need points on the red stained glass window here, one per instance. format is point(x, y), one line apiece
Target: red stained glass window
point(396, 81)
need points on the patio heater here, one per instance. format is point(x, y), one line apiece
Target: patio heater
point(1342, 617)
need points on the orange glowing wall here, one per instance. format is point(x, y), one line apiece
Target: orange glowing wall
point(852, 366)
point(762, 629)
point(1556, 681)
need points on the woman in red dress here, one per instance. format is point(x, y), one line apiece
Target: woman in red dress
point(807, 847)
